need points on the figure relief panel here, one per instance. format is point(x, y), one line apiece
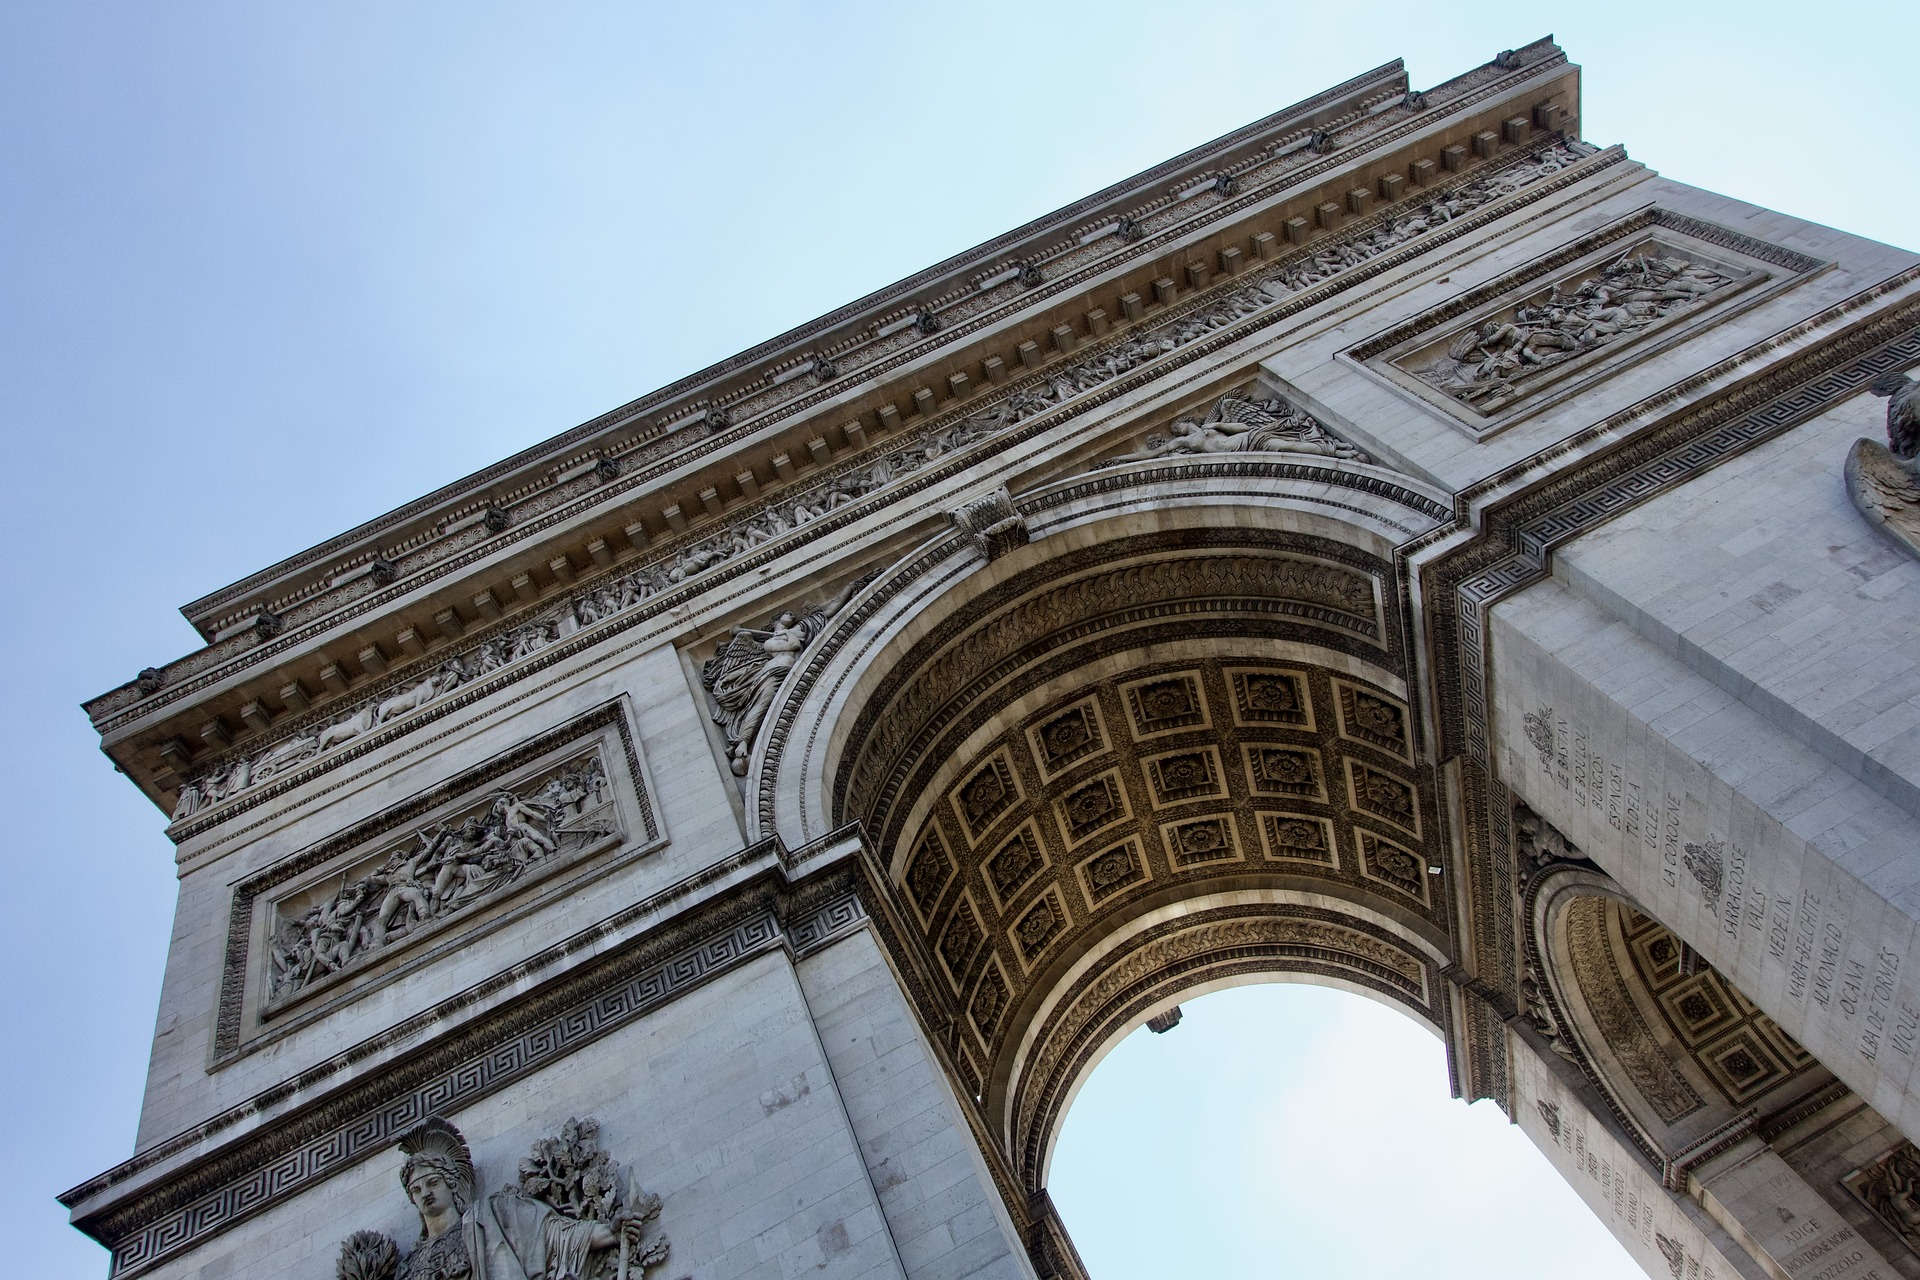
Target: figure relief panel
point(571, 1213)
point(346, 913)
point(1534, 335)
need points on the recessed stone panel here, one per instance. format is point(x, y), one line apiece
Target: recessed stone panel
point(1373, 718)
point(1063, 738)
point(1166, 704)
point(1200, 841)
point(1090, 807)
point(1014, 865)
point(1284, 771)
point(988, 792)
point(1298, 837)
point(1400, 869)
point(989, 1002)
point(1037, 927)
point(1179, 776)
point(929, 869)
point(1112, 869)
point(959, 940)
point(1376, 792)
point(1270, 697)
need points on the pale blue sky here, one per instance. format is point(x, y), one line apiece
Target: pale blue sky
point(270, 269)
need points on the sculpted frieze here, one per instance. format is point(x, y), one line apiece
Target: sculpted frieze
point(621, 593)
point(572, 1214)
point(1237, 424)
point(440, 869)
point(1890, 1186)
point(1492, 363)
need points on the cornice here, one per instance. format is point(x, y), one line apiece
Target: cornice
point(380, 564)
point(1040, 389)
point(1388, 75)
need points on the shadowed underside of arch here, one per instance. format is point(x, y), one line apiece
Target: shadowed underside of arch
point(1167, 744)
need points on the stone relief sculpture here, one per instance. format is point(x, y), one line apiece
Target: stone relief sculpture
point(1890, 1186)
point(1237, 425)
point(1488, 366)
point(571, 1215)
point(743, 677)
point(440, 869)
point(994, 524)
point(1884, 480)
point(227, 778)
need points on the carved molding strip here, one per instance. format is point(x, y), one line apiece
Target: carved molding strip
point(1616, 315)
point(294, 1155)
point(1316, 285)
point(1282, 160)
point(234, 973)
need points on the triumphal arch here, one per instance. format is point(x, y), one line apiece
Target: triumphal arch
point(1400, 545)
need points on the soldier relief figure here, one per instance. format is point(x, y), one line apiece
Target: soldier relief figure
point(440, 869)
point(571, 1215)
point(1485, 366)
point(743, 678)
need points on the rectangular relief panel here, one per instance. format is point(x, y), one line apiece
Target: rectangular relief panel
point(488, 845)
point(1533, 336)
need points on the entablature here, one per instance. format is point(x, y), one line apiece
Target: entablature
point(1004, 347)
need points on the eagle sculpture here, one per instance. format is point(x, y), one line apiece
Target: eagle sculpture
point(1884, 479)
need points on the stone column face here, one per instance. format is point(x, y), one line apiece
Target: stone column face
point(1666, 1234)
point(940, 1203)
point(1776, 865)
point(1756, 1195)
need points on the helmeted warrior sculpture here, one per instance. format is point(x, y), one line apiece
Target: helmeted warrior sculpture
point(570, 1216)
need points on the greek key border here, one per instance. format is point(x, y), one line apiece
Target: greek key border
point(290, 1157)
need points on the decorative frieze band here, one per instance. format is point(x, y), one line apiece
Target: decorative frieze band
point(292, 1156)
point(654, 423)
point(306, 924)
point(770, 528)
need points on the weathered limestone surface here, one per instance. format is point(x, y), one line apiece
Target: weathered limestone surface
point(1112, 615)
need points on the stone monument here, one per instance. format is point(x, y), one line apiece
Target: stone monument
point(1399, 545)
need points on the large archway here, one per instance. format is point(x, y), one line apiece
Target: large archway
point(1287, 1129)
point(1158, 730)
point(1165, 745)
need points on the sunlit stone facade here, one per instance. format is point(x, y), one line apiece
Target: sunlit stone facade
point(1399, 544)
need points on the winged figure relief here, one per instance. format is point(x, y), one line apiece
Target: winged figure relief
point(1884, 479)
point(744, 676)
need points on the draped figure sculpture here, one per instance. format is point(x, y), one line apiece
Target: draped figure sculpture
point(570, 1216)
